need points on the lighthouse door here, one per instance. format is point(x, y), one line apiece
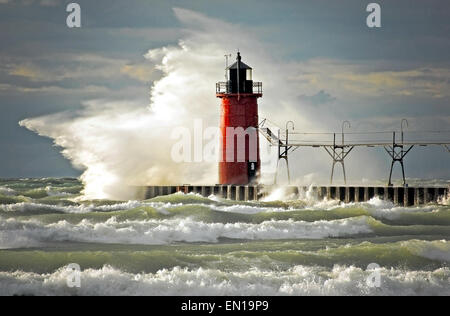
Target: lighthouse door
point(251, 171)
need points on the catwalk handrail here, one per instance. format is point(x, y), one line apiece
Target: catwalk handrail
point(380, 142)
point(338, 151)
point(375, 144)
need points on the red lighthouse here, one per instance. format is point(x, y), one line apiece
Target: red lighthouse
point(239, 161)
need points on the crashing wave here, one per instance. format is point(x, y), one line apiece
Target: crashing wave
point(299, 280)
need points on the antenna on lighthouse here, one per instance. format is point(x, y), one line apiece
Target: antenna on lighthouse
point(238, 58)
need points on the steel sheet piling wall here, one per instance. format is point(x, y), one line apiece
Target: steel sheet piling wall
point(402, 196)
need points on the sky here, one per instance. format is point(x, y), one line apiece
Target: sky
point(319, 62)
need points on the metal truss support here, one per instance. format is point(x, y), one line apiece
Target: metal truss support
point(396, 150)
point(338, 154)
point(283, 152)
point(397, 153)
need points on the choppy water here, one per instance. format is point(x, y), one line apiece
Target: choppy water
point(190, 245)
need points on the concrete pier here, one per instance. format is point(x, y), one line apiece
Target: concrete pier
point(402, 196)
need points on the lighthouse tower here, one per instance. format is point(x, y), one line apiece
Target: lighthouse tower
point(239, 144)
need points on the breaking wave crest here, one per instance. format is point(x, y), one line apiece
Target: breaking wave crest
point(212, 210)
point(299, 280)
point(264, 255)
point(14, 233)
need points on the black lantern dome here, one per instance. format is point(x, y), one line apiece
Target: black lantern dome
point(240, 77)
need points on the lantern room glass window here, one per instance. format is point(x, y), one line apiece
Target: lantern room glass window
point(248, 74)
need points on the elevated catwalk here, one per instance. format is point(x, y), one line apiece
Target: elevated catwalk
point(402, 196)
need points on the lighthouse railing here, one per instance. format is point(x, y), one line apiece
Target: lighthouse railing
point(257, 87)
point(225, 87)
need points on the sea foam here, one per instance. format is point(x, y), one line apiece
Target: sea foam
point(298, 280)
